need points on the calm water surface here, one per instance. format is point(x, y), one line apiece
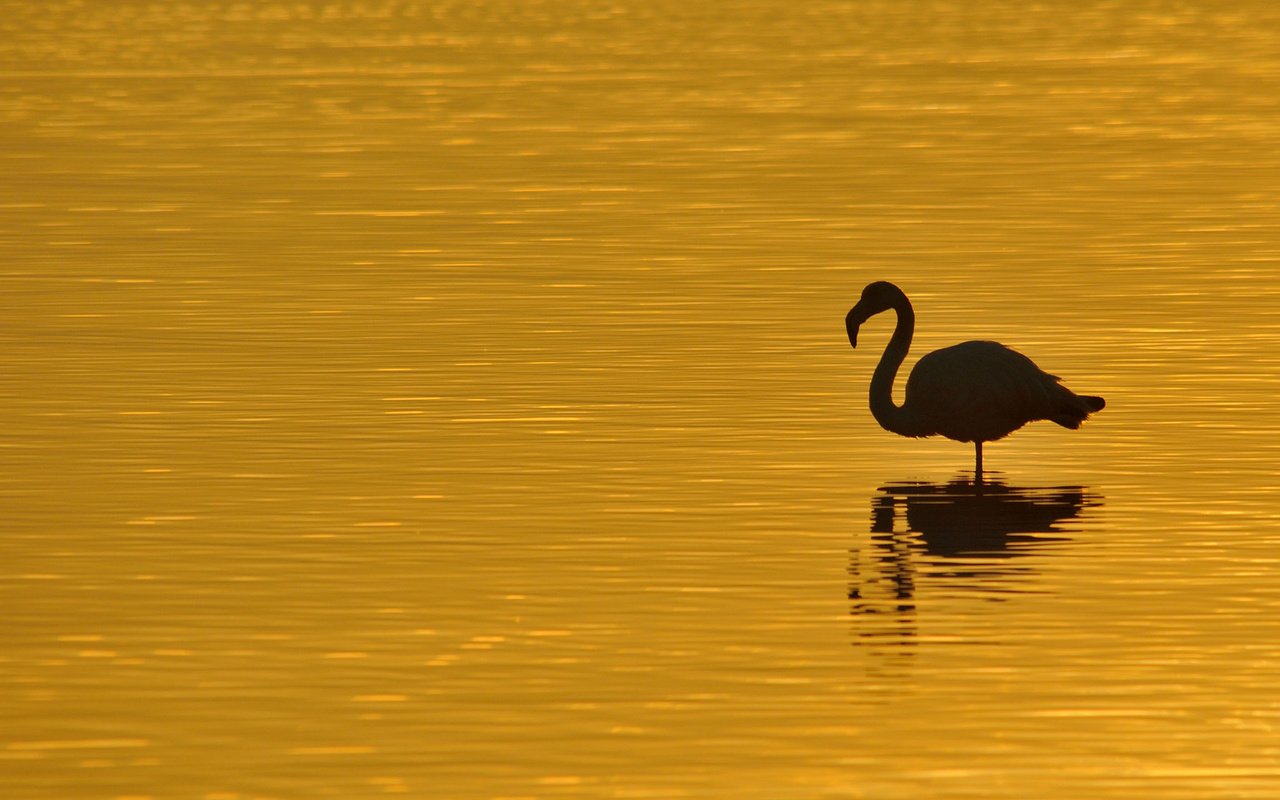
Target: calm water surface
point(452, 400)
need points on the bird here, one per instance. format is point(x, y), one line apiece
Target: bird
point(976, 391)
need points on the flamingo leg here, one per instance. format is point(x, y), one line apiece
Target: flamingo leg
point(977, 462)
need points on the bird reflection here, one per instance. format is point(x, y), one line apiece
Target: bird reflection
point(959, 537)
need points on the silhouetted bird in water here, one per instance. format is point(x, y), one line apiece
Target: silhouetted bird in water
point(970, 392)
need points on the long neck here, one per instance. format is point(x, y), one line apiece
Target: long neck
point(892, 417)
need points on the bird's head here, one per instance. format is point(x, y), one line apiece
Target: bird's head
point(876, 297)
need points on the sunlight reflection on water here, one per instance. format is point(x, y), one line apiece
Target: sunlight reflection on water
point(454, 400)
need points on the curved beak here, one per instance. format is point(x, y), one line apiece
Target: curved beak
point(853, 320)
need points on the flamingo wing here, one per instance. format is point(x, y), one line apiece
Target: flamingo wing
point(980, 391)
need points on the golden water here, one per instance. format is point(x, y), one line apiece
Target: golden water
point(452, 400)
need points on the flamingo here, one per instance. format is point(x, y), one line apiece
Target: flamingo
point(975, 391)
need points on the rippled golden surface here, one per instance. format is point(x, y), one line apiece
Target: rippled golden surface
point(451, 399)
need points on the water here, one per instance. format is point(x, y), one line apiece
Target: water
point(452, 400)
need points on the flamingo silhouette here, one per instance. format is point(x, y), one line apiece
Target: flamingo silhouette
point(971, 392)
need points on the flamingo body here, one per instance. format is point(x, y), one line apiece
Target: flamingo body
point(976, 391)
